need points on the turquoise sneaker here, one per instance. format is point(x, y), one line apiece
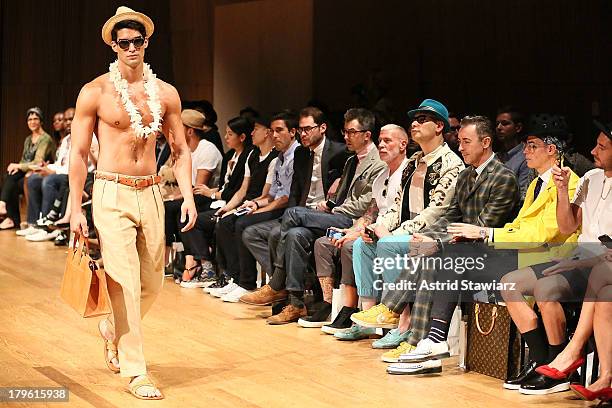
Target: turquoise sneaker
point(392, 339)
point(356, 332)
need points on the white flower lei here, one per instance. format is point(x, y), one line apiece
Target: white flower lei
point(150, 86)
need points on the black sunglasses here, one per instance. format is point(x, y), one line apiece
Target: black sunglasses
point(125, 44)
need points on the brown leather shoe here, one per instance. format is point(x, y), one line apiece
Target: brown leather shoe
point(289, 314)
point(264, 296)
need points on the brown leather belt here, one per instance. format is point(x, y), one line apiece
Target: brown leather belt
point(136, 182)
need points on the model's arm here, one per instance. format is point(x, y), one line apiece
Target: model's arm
point(173, 127)
point(82, 129)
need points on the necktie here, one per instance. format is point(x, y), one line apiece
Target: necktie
point(472, 179)
point(538, 187)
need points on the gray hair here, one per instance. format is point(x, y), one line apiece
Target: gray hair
point(393, 127)
point(484, 126)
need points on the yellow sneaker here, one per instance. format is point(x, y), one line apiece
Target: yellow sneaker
point(392, 356)
point(365, 314)
point(379, 316)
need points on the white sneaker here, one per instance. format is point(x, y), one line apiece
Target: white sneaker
point(426, 350)
point(192, 284)
point(426, 367)
point(43, 236)
point(235, 295)
point(27, 231)
point(222, 291)
point(44, 222)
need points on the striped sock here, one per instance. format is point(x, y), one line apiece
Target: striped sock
point(438, 331)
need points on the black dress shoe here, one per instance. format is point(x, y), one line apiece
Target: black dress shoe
point(542, 385)
point(528, 372)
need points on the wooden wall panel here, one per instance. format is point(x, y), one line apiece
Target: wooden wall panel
point(262, 56)
point(191, 33)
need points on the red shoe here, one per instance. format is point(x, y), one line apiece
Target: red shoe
point(555, 374)
point(605, 394)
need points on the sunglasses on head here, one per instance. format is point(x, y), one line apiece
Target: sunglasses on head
point(124, 44)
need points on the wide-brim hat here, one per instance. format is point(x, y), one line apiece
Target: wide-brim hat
point(125, 13)
point(545, 124)
point(434, 108)
point(606, 129)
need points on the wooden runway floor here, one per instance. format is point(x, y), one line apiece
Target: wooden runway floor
point(206, 353)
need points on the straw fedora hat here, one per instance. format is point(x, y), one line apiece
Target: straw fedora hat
point(193, 119)
point(125, 13)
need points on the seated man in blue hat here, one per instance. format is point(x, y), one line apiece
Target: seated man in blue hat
point(427, 189)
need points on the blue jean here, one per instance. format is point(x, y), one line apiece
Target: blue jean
point(300, 227)
point(363, 262)
point(42, 192)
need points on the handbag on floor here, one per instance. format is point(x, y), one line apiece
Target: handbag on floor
point(494, 346)
point(84, 283)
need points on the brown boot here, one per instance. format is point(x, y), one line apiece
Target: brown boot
point(289, 314)
point(264, 296)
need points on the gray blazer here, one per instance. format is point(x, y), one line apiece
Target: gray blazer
point(359, 192)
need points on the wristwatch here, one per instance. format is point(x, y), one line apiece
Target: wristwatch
point(484, 234)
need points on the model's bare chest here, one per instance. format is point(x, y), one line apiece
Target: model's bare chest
point(112, 110)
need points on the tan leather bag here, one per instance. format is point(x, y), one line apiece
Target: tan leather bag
point(84, 284)
point(493, 342)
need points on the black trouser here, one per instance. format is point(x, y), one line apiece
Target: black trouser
point(197, 240)
point(232, 255)
point(13, 186)
point(173, 216)
point(497, 264)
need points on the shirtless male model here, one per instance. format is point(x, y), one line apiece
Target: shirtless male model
point(126, 108)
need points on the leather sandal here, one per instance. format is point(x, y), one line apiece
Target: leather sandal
point(187, 272)
point(109, 346)
point(143, 381)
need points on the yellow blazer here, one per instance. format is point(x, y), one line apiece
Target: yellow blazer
point(536, 225)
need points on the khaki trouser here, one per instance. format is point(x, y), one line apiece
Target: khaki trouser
point(130, 226)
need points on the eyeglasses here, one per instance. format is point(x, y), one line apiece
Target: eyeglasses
point(351, 132)
point(503, 123)
point(531, 147)
point(124, 44)
point(307, 129)
point(455, 128)
point(424, 118)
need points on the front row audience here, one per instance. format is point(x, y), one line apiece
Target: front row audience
point(316, 214)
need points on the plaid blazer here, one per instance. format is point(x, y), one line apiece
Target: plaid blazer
point(491, 202)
